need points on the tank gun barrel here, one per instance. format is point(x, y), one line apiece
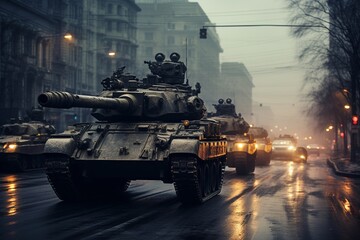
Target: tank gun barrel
point(57, 99)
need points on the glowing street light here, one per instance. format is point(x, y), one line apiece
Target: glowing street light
point(111, 54)
point(68, 36)
point(347, 106)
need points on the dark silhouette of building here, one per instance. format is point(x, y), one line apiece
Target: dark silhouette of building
point(35, 56)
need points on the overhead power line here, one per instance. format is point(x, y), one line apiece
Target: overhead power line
point(261, 25)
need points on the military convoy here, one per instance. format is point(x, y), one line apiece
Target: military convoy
point(241, 147)
point(151, 129)
point(22, 142)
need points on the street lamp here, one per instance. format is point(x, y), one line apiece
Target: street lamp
point(68, 36)
point(111, 53)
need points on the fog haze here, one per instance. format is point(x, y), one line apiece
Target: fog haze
point(269, 53)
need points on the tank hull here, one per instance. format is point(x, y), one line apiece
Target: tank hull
point(123, 152)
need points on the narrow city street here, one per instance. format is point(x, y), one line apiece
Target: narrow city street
point(285, 200)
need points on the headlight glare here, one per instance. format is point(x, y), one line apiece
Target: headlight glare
point(10, 147)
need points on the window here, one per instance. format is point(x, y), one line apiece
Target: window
point(149, 36)
point(43, 54)
point(110, 9)
point(118, 47)
point(149, 51)
point(109, 26)
point(119, 10)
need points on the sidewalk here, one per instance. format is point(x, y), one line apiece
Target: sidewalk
point(343, 167)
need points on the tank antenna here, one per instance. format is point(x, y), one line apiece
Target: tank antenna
point(186, 54)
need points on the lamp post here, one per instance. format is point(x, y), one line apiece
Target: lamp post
point(354, 127)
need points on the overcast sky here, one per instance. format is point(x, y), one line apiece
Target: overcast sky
point(270, 54)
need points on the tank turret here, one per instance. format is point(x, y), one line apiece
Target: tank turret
point(231, 122)
point(169, 71)
point(162, 95)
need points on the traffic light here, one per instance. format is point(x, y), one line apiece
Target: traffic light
point(355, 120)
point(203, 33)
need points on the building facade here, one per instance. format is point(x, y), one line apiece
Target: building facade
point(236, 83)
point(173, 26)
point(35, 56)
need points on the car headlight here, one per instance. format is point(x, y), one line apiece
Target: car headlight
point(291, 148)
point(10, 147)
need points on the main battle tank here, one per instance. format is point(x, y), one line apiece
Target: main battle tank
point(150, 129)
point(241, 148)
point(22, 142)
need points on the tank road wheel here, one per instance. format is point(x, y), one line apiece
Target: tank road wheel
point(207, 180)
point(193, 178)
point(213, 176)
point(220, 170)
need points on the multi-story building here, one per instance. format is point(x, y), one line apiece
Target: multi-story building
point(27, 35)
point(263, 116)
point(173, 26)
point(35, 56)
point(236, 83)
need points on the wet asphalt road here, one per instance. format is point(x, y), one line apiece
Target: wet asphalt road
point(282, 201)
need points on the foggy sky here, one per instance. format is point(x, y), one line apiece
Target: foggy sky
point(270, 54)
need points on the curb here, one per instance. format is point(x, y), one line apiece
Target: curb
point(332, 164)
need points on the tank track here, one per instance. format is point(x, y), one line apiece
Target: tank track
point(60, 179)
point(69, 188)
point(196, 181)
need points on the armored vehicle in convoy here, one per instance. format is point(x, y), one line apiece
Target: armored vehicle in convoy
point(263, 145)
point(22, 142)
point(240, 145)
point(150, 129)
point(285, 147)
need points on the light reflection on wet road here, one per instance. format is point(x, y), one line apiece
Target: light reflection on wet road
point(285, 200)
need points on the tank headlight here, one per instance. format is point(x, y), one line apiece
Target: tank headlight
point(240, 147)
point(10, 147)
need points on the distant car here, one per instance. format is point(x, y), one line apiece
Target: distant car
point(314, 149)
point(283, 148)
point(286, 147)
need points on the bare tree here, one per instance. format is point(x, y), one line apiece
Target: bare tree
point(330, 30)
